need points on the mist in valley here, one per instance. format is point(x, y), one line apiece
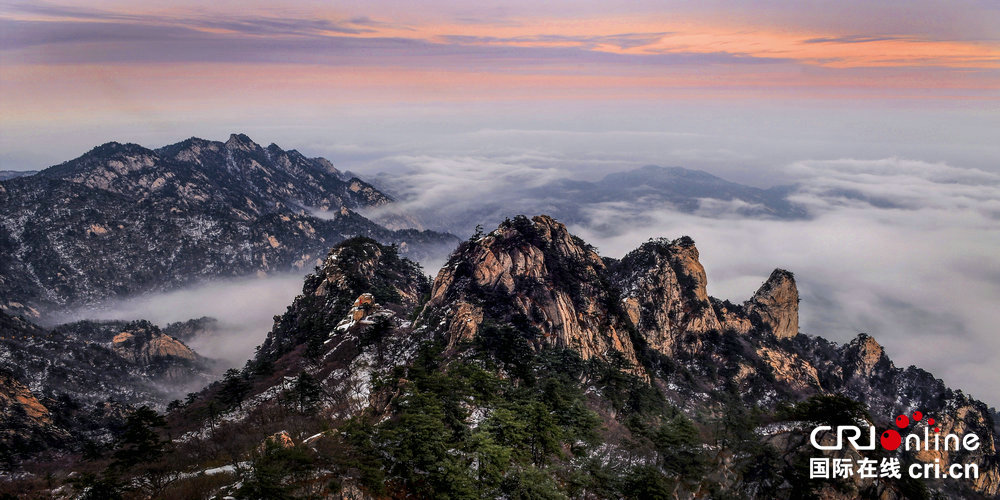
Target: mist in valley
point(244, 309)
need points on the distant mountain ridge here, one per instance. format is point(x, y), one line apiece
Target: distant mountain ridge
point(681, 187)
point(649, 187)
point(123, 219)
point(13, 174)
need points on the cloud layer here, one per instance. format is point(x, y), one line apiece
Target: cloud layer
point(244, 307)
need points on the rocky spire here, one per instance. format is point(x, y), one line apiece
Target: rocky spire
point(775, 306)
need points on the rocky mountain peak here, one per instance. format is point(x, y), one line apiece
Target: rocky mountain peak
point(105, 166)
point(776, 304)
point(192, 150)
point(557, 240)
point(241, 142)
point(365, 261)
point(109, 147)
point(358, 272)
point(119, 151)
point(532, 273)
point(328, 166)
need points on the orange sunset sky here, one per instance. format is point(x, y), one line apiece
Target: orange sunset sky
point(83, 73)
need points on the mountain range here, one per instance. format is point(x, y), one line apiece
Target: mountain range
point(123, 220)
point(580, 375)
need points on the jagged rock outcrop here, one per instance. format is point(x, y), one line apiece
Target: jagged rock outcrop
point(353, 268)
point(25, 422)
point(775, 306)
point(535, 274)
point(361, 263)
point(146, 346)
point(664, 292)
point(732, 317)
point(866, 354)
point(279, 439)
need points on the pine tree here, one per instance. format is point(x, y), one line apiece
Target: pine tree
point(234, 388)
point(306, 392)
point(140, 443)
